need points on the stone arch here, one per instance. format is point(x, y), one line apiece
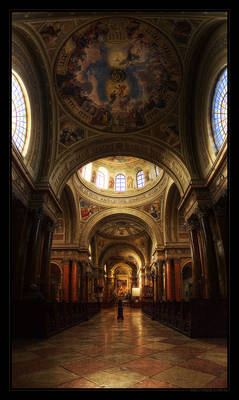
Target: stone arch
point(68, 204)
point(120, 244)
point(30, 61)
point(152, 226)
point(105, 146)
point(206, 57)
point(171, 214)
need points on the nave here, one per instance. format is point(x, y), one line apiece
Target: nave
point(107, 353)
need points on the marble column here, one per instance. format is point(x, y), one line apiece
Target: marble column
point(193, 226)
point(30, 277)
point(170, 280)
point(221, 232)
point(66, 270)
point(209, 254)
point(178, 282)
point(45, 275)
point(160, 280)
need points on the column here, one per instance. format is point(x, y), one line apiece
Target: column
point(30, 277)
point(209, 255)
point(160, 280)
point(193, 226)
point(45, 275)
point(73, 282)
point(221, 232)
point(177, 275)
point(170, 280)
point(66, 273)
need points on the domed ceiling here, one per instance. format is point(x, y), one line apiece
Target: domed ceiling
point(110, 168)
point(118, 74)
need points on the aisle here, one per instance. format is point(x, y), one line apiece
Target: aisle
point(106, 353)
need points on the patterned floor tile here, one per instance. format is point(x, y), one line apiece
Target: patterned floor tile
point(47, 378)
point(146, 366)
point(184, 377)
point(151, 383)
point(134, 353)
point(218, 358)
point(86, 366)
point(207, 366)
point(123, 379)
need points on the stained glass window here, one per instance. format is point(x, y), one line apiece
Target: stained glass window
point(219, 110)
point(140, 179)
point(20, 116)
point(120, 183)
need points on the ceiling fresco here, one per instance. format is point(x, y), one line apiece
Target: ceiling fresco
point(118, 75)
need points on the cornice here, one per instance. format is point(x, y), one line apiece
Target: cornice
point(134, 199)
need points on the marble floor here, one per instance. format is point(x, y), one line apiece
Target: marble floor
point(104, 353)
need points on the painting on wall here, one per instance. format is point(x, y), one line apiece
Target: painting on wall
point(87, 209)
point(118, 74)
point(70, 135)
point(154, 209)
point(122, 287)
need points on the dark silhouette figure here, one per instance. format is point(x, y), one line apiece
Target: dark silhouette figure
point(120, 310)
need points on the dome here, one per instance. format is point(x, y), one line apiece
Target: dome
point(119, 177)
point(118, 75)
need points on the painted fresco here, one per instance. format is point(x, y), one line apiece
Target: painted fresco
point(154, 209)
point(118, 74)
point(87, 209)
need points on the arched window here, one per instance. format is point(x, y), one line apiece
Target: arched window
point(120, 183)
point(102, 178)
point(219, 110)
point(21, 120)
point(156, 170)
point(86, 172)
point(140, 179)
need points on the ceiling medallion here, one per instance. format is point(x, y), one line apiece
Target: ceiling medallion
point(118, 75)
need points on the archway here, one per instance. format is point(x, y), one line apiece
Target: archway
point(82, 154)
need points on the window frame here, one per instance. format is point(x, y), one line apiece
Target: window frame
point(24, 118)
point(121, 179)
point(219, 138)
point(140, 179)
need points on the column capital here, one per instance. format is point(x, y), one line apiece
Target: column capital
point(192, 224)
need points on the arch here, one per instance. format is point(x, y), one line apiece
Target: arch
point(70, 214)
point(140, 179)
point(120, 245)
point(102, 178)
point(219, 110)
point(158, 154)
point(120, 183)
point(152, 226)
point(21, 114)
point(30, 62)
point(172, 199)
point(206, 57)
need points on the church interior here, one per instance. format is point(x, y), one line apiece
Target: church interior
point(119, 192)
